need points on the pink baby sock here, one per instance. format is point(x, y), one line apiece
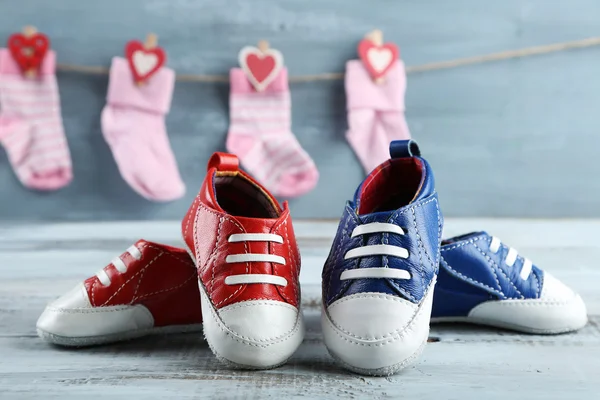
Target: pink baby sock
point(375, 112)
point(133, 123)
point(31, 128)
point(260, 135)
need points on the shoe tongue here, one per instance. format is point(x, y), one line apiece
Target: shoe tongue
point(382, 216)
point(403, 179)
point(257, 225)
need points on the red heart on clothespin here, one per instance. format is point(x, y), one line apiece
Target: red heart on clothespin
point(28, 49)
point(261, 64)
point(144, 59)
point(377, 57)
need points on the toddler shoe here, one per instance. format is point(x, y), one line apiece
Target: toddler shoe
point(149, 289)
point(482, 281)
point(379, 276)
point(248, 267)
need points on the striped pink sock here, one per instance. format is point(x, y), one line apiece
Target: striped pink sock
point(375, 112)
point(260, 135)
point(133, 124)
point(31, 128)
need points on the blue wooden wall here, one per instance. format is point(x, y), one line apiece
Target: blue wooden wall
point(510, 138)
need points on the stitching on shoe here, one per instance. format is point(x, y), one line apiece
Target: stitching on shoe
point(373, 295)
point(261, 302)
point(101, 309)
point(212, 257)
point(130, 279)
point(189, 216)
point(166, 290)
point(471, 280)
point(275, 227)
point(529, 302)
point(405, 293)
point(419, 245)
point(161, 253)
point(461, 244)
point(439, 242)
point(227, 218)
point(335, 259)
point(296, 262)
point(408, 329)
point(501, 271)
point(248, 341)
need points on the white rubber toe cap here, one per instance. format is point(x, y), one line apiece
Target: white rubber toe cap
point(260, 321)
point(253, 334)
point(376, 333)
point(72, 315)
point(559, 309)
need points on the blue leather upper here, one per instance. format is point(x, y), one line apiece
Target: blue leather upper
point(470, 274)
point(421, 220)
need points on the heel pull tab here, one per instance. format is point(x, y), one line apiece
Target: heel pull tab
point(223, 162)
point(404, 148)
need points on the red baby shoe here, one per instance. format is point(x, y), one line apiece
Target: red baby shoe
point(149, 289)
point(248, 266)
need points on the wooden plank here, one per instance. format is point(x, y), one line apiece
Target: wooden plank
point(39, 262)
point(182, 366)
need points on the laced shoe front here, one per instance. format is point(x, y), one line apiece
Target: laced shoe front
point(379, 276)
point(149, 289)
point(248, 265)
point(483, 281)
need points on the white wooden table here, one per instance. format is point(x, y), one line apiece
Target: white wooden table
point(39, 262)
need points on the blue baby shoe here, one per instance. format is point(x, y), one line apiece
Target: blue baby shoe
point(485, 282)
point(379, 276)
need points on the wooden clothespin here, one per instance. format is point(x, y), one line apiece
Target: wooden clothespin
point(145, 59)
point(28, 48)
point(29, 31)
point(261, 64)
point(377, 57)
point(150, 43)
point(376, 37)
point(263, 46)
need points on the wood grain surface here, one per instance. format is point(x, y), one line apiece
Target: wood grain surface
point(40, 262)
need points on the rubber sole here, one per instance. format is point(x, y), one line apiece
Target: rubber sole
point(505, 325)
point(385, 371)
point(87, 341)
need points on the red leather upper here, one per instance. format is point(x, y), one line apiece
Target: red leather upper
point(206, 229)
point(163, 280)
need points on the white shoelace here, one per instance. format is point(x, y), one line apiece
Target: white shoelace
point(243, 279)
point(119, 265)
point(511, 257)
point(376, 250)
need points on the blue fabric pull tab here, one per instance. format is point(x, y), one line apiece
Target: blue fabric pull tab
point(404, 148)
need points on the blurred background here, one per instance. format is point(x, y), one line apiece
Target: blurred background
point(514, 138)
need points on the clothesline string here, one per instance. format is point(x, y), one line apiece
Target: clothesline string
point(330, 76)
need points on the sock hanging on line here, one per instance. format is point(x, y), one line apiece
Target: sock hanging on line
point(31, 129)
point(260, 135)
point(375, 112)
point(133, 124)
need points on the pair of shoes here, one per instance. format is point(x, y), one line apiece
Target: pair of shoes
point(379, 280)
point(238, 276)
point(389, 274)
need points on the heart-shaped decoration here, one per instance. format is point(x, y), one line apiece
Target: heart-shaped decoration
point(144, 62)
point(261, 67)
point(28, 51)
point(377, 59)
